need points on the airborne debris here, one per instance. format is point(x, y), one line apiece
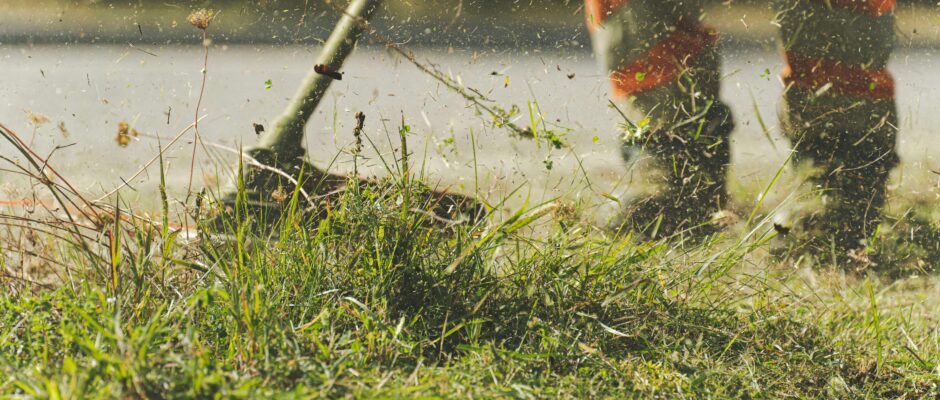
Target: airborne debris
point(357, 131)
point(325, 70)
point(259, 129)
point(279, 195)
point(725, 218)
point(150, 53)
point(65, 132)
point(781, 229)
point(125, 133)
point(36, 119)
point(861, 259)
point(200, 18)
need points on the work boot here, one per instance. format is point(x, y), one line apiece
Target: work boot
point(852, 204)
point(853, 153)
point(693, 158)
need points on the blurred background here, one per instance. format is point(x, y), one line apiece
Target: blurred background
point(509, 23)
point(73, 71)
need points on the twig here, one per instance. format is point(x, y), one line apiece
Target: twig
point(202, 91)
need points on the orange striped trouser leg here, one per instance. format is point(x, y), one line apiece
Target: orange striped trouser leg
point(657, 56)
point(840, 96)
point(665, 64)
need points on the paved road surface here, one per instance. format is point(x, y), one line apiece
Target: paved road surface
point(90, 89)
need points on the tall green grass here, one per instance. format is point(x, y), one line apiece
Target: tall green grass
point(374, 297)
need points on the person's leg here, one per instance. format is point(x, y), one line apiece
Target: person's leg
point(664, 63)
point(840, 108)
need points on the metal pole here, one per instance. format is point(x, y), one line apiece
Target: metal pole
point(285, 139)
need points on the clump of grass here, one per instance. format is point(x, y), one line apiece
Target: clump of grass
point(373, 296)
